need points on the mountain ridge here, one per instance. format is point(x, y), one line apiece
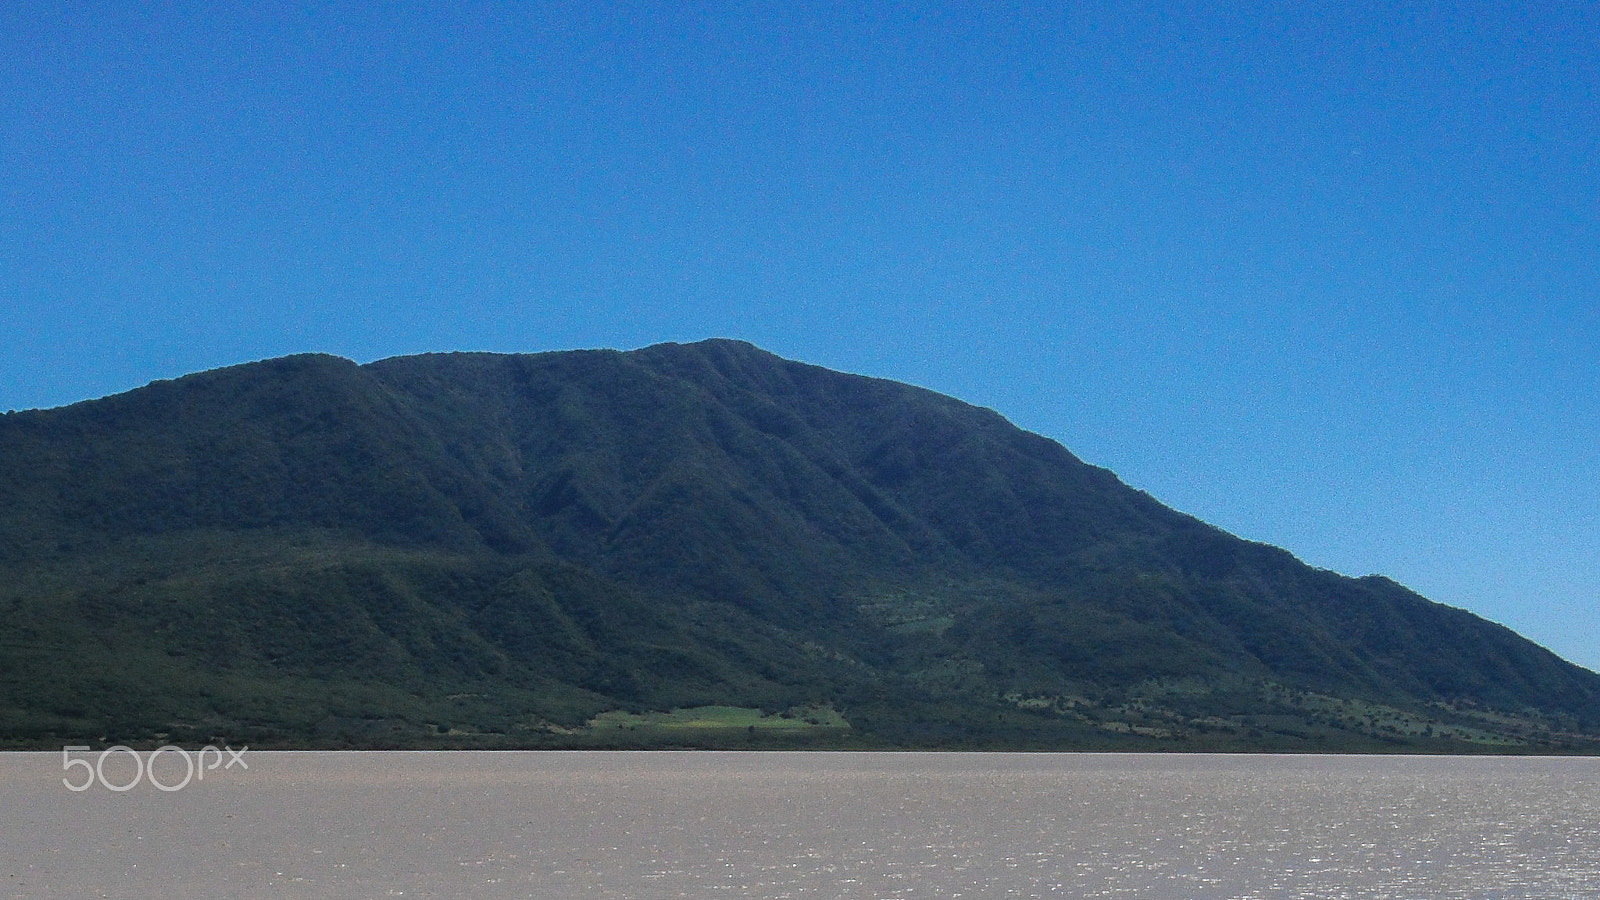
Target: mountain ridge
point(560, 535)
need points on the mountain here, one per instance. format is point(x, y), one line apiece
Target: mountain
point(695, 545)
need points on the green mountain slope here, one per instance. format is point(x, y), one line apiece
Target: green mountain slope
point(559, 549)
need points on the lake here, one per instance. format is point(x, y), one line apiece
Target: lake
point(646, 825)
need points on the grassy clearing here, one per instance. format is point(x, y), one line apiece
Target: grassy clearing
point(721, 717)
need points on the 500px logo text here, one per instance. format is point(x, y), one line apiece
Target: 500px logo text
point(194, 767)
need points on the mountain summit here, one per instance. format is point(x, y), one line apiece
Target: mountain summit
point(695, 545)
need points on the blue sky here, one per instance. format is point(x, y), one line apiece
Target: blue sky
point(1324, 274)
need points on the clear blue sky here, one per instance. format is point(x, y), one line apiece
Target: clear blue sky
point(1324, 274)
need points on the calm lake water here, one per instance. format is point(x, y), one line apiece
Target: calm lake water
point(570, 826)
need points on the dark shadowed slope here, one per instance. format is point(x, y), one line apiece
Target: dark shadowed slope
point(490, 550)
